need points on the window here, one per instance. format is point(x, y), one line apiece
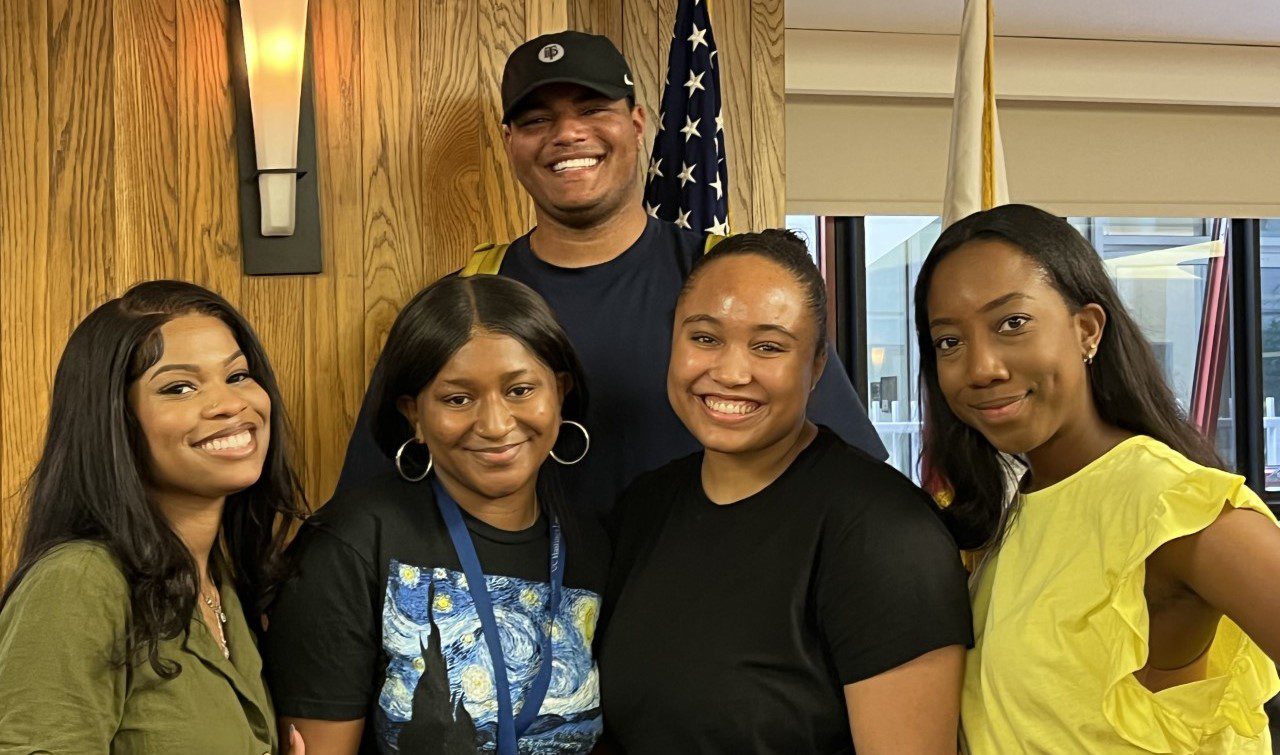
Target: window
point(807, 227)
point(1270, 274)
point(1159, 265)
point(896, 247)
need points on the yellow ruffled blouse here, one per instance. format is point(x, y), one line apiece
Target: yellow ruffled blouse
point(1060, 620)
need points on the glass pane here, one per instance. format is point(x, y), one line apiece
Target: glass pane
point(1160, 268)
point(807, 227)
point(896, 247)
point(1270, 234)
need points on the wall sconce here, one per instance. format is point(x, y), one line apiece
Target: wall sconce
point(275, 135)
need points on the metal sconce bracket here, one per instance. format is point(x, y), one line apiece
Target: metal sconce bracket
point(300, 253)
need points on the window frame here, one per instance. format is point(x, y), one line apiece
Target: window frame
point(842, 245)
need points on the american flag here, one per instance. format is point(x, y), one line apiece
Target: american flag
point(688, 181)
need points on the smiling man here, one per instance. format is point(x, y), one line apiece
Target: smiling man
point(574, 138)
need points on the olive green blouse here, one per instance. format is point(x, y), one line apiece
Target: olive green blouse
point(61, 690)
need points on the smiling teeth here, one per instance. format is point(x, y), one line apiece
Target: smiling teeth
point(581, 162)
point(731, 407)
point(239, 440)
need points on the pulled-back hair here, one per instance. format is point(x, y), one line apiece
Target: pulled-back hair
point(785, 249)
point(1128, 387)
point(89, 483)
point(439, 321)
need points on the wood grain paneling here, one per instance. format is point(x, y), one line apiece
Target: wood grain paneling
point(504, 207)
point(768, 122)
point(731, 24)
point(333, 329)
point(146, 149)
point(82, 216)
point(598, 17)
point(208, 197)
point(25, 345)
point(451, 135)
point(644, 47)
point(547, 16)
point(119, 164)
point(393, 191)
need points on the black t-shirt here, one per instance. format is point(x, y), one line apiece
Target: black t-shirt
point(734, 629)
point(618, 315)
point(378, 623)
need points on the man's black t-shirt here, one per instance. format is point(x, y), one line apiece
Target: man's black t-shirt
point(378, 623)
point(618, 315)
point(734, 628)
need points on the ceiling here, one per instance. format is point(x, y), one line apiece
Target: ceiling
point(1246, 22)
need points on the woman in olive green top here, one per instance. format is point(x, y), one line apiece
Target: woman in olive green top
point(156, 516)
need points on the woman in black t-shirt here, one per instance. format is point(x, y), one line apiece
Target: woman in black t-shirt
point(428, 605)
point(779, 591)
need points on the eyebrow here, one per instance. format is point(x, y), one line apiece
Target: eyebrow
point(192, 367)
point(993, 304)
point(763, 327)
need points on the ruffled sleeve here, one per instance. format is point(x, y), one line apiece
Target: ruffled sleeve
point(1225, 706)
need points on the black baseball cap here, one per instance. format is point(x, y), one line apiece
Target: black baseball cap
point(569, 57)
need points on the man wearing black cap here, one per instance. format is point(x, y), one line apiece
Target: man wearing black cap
point(611, 273)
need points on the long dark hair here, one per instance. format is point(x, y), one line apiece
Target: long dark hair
point(1127, 384)
point(89, 483)
point(441, 319)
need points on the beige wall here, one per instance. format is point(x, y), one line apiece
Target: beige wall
point(860, 155)
point(1089, 127)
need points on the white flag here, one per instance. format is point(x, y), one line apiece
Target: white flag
point(975, 166)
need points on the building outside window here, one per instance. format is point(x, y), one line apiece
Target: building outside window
point(1160, 268)
point(1270, 252)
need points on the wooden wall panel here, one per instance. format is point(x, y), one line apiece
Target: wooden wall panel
point(333, 328)
point(119, 164)
point(25, 345)
point(82, 255)
point(451, 135)
point(599, 17)
point(731, 23)
point(505, 210)
point(768, 122)
point(146, 148)
point(644, 46)
point(393, 192)
point(208, 195)
point(547, 16)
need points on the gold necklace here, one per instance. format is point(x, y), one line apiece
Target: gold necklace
point(215, 605)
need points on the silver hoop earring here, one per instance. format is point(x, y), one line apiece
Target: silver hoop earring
point(586, 438)
point(400, 468)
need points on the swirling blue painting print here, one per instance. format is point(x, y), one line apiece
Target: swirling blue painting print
point(430, 633)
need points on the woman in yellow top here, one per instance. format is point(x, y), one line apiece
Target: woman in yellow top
point(1127, 599)
point(158, 508)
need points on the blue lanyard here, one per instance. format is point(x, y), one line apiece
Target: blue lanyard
point(510, 726)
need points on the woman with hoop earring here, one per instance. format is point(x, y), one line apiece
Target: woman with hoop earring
point(451, 606)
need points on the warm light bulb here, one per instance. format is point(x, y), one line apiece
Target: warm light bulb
point(877, 356)
point(282, 50)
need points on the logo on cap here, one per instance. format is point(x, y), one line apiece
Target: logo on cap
point(551, 53)
point(626, 79)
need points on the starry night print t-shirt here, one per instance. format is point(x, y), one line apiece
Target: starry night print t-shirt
point(378, 623)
